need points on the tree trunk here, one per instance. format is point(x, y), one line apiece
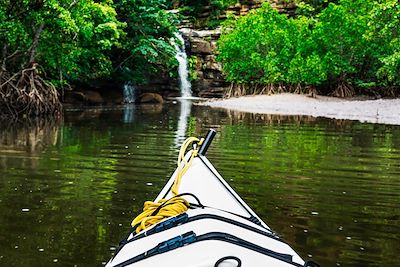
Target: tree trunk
point(4, 58)
point(35, 43)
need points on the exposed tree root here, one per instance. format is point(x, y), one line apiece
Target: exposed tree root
point(236, 90)
point(344, 89)
point(298, 89)
point(390, 91)
point(26, 94)
point(312, 91)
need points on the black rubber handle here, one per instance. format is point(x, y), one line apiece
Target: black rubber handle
point(207, 142)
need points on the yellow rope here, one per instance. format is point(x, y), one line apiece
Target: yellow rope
point(154, 212)
point(184, 165)
point(167, 208)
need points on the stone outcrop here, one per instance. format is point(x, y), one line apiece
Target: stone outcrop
point(283, 6)
point(98, 94)
point(243, 9)
point(150, 98)
point(93, 97)
point(83, 97)
point(202, 45)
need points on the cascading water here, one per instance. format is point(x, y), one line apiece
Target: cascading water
point(184, 83)
point(129, 93)
point(185, 89)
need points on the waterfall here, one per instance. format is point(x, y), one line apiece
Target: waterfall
point(129, 93)
point(184, 83)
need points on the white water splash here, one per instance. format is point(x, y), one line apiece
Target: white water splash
point(129, 93)
point(181, 56)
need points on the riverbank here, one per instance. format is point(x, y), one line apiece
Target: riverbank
point(385, 111)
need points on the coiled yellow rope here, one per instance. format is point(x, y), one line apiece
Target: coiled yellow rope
point(154, 212)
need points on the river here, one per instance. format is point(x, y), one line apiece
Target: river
point(70, 188)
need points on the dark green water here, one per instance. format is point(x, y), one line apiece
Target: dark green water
point(69, 189)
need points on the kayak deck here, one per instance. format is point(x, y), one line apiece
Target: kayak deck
point(219, 229)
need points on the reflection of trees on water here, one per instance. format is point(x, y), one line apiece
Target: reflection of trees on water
point(28, 135)
point(27, 138)
point(231, 117)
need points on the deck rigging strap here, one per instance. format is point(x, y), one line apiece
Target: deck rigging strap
point(154, 212)
point(184, 218)
point(191, 238)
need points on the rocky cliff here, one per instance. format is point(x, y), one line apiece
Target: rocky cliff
point(201, 47)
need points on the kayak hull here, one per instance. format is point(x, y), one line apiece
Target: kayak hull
point(222, 229)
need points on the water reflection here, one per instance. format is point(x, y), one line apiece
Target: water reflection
point(129, 113)
point(151, 108)
point(185, 107)
point(69, 189)
point(28, 135)
point(25, 140)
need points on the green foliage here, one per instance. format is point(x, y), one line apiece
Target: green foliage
point(311, 7)
point(383, 31)
point(211, 8)
point(349, 44)
point(74, 40)
point(249, 52)
point(192, 62)
point(84, 53)
point(146, 46)
point(338, 36)
point(194, 7)
point(88, 40)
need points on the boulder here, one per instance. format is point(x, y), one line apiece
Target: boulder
point(191, 33)
point(244, 9)
point(211, 63)
point(83, 97)
point(213, 74)
point(150, 98)
point(200, 46)
point(93, 97)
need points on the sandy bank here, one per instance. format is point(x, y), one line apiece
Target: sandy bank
point(385, 111)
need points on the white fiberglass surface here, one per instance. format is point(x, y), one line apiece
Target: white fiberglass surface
point(210, 189)
point(200, 227)
point(207, 253)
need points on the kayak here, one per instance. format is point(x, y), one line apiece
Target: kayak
point(198, 220)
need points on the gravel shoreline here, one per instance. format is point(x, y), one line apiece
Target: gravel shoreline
point(384, 111)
